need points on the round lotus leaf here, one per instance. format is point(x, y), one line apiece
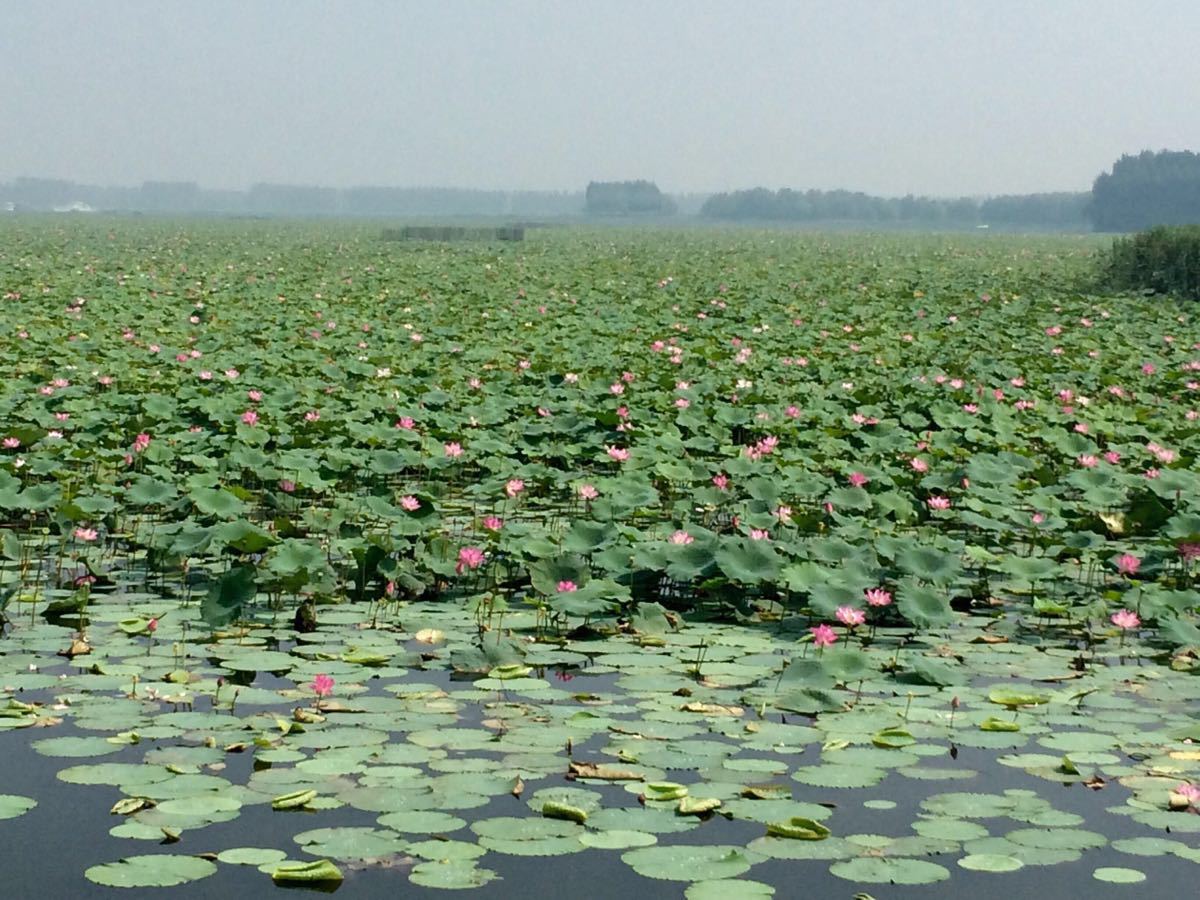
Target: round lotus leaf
point(617, 840)
point(689, 863)
point(886, 870)
point(1118, 875)
point(75, 747)
point(13, 805)
point(153, 871)
point(836, 776)
point(728, 889)
point(1057, 838)
point(445, 850)
point(350, 843)
point(251, 856)
point(422, 822)
point(456, 874)
point(990, 862)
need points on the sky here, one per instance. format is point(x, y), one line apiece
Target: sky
point(971, 97)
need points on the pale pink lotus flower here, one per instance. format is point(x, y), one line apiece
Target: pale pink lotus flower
point(792, 412)
point(416, 337)
point(1088, 461)
point(681, 537)
point(783, 514)
point(469, 558)
point(848, 615)
point(105, 380)
point(1189, 792)
point(1128, 564)
point(86, 534)
point(938, 502)
point(682, 402)
point(567, 587)
point(918, 464)
point(970, 408)
point(571, 378)
point(823, 635)
point(877, 597)
point(1149, 369)
point(857, 479)
point(205, 375)
point(287, 486)
point(1189, 551)
point(410, 503)
point(759, 534)
point(1112, 456)
point(1037, 518)
point(720, 482)
point(250, 417)
point(1017, 382)
point(1151, 473)
point(406, 423)
point(141, 442)
point(514, 486)
point(1125, 618)
point(62, 416)
point(1081, 428)
point(313, 415)
point(254, 396)
point(619, 454)
point(453, 449)
point(475, 384)
point(616, 388)
point(588, 492)
point(154, 348)
point(231, 374)
point(493, 523)
point(543, 412)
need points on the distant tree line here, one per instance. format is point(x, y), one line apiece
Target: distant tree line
point(627, 198)
point(1148, 189)
point(1057, 210)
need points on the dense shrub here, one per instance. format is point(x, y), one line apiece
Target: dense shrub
point(1165, 259)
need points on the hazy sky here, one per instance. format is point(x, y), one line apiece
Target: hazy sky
point(923, 96)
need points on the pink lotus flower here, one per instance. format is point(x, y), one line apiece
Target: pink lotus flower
point(410, 503)
point(681, 537)
point(205, 375)
point(86, 534)
point(492, 523)
point(405, 423)
point(322, 685)
point(469, 558)
point(759, 534)
point(1088, 461)
point(918, 464)
point(938, 502)
point(567, 587)
point(1189, 551)
point(11, 443)
point(783, 514)
point(312, 415)
point(287, 486)
point(848, 615)
point(250, 417)
point(254, 396)
point(1126, 619)
point(620, 454)
point(1112, 457)
point(514, 486)
point(453, 449)
point(152, 625)
point(823, 635)
point(587, 492)
point(878, 597)
point(721, 482)
point(858, 479)
point(1128, 564)
point(1037, 518)
point(141, 442)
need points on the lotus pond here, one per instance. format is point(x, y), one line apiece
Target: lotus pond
point(688, 564)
